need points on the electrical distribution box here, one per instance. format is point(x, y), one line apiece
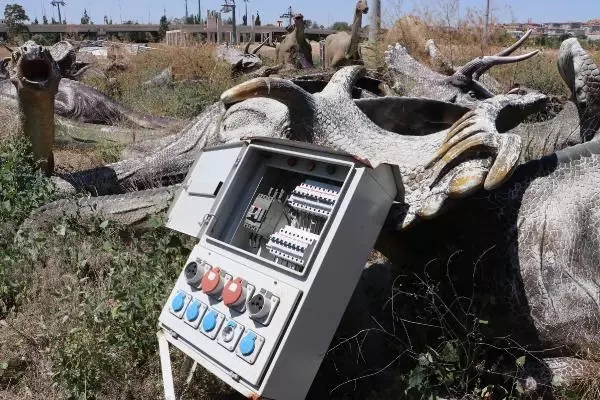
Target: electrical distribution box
point(284, 230)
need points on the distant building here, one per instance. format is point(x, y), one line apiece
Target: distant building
point(590, 29)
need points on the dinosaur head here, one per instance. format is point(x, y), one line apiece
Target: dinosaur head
point(298, 19)
point(463, 87)
point(580, 73)
point(362, 6)
point(33, 69)
point(249, 61)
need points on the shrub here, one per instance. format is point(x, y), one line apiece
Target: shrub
point(23, 188)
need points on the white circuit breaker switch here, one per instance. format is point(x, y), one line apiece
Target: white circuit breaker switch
point(288, 222)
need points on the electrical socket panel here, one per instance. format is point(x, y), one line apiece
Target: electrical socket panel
point(284, 231)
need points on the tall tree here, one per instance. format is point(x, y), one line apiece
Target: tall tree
point(257, 20)
point(164, 27)
point(35, 21)
point(85, 19)
point(14, 18)
point(45, 20)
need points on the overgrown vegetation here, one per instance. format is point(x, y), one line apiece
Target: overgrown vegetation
point(200, 79)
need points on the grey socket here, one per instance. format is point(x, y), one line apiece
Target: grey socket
point(259, 306)
point(193, 274)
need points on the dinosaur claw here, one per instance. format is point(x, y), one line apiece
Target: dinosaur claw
point(458, 125)
point(472, 142)
point(466, 121)
point(465, 183)
point(507, 158)
point(432, 206)
point(459, 137)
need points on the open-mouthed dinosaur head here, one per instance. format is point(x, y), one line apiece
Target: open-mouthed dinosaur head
point(362, 6)
point(32, 68)
point(36, 77)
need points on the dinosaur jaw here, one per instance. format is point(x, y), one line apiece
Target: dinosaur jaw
point(35, 70)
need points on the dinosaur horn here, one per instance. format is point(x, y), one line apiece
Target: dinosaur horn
point(6, 47)
point(260, 46)
point(508, 51)
point(282, 90)
point(247, 49)
point(479, 66)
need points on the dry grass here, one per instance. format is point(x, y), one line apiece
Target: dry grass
point(464, 44)
point(209, 78)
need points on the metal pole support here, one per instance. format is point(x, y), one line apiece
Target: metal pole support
point(165, 366)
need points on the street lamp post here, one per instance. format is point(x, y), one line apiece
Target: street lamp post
point(58, 3)
point(229, 6)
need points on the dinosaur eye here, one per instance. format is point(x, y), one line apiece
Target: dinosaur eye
point(472, 94)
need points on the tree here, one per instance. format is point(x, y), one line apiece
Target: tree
point(245, 20)
point(14, 18)
point(54, 22)
point(164, 27)
point(45, 20)
point(340, 26)
point(257, 20)
point(36, 22)
point(85, 19)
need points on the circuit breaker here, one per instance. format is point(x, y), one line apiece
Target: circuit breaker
point(284, 232)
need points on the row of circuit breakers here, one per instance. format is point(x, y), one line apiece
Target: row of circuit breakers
point(284, 231)
point(292, 246)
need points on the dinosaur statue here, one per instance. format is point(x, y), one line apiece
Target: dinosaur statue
point(242, 62)
point(294, 51)
point(83, 103)
point(342, 48)
point(414, 79)
point(36, 76)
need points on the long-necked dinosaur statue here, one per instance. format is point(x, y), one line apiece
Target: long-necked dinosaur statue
point(545, 213)
point(342, 48)
point(36, 76)
point(294, 51)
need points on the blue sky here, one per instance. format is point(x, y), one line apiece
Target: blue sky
point(323, 11)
